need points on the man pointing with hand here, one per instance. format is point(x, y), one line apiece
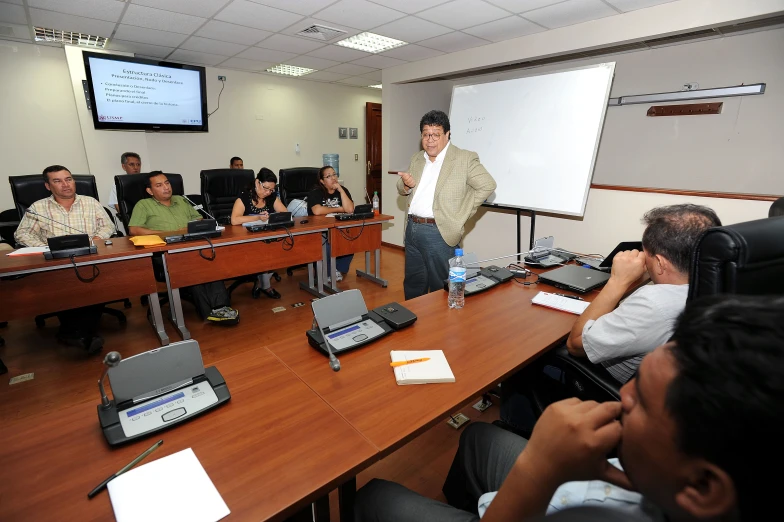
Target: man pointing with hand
point(445, 186)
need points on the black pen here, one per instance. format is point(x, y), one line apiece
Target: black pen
point(100, 487)
point(571, 297)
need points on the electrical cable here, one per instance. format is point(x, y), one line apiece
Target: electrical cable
point(96, 272)
point(219, 95)
point(201, 252)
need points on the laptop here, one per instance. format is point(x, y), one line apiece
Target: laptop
point(276, 220)
point(605, 265)
point(360, 212)
point(574, 278)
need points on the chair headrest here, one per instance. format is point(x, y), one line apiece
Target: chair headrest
point(30, 188)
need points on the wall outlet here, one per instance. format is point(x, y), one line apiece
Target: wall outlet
point(221, 78)
point(356, 157)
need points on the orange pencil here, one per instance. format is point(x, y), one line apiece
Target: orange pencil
point(412, 361)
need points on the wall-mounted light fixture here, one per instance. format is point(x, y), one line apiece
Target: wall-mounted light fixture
point(699, 94)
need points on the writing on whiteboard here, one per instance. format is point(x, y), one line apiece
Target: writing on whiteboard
point(476, 119)
point(473, 130)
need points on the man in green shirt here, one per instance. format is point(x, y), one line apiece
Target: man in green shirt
point(164, 212)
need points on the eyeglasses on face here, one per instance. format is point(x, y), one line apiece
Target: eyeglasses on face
point(330, 176)
point(267, 189)
point(431, 136)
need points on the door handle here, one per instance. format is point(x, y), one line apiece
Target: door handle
point(369, 168)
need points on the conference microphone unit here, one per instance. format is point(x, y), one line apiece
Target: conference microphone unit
point(71, 245)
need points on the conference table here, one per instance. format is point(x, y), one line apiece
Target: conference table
point(353, 237)
point(34, 286)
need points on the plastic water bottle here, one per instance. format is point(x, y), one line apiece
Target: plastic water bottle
point(376, 205)
point(457, 277)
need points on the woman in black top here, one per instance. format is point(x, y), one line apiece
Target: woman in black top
point(327, 197)
point(257, 203)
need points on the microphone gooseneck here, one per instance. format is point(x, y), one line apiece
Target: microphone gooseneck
point(111, 360)
point(66, 225)
point(334, 363)
point(197, 207)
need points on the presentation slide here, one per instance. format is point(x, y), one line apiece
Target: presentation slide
point(138, 93)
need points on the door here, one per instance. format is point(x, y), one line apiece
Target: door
point(373, 149)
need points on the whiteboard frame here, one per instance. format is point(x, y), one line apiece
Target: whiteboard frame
point(600, 130)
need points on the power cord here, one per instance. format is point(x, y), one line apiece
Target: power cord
point(201, 252)
point(520, 279)
point(344, 233)
point(219, 95)
point(96, 272)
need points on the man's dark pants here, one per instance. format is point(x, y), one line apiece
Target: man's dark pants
point(427, 259)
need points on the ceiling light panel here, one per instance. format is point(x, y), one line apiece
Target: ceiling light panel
point(43, 34)
point(290, 70)
point(371, 43)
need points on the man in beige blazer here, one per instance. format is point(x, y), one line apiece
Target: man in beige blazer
point(445, 186)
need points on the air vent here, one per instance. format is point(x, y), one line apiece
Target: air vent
point(6, 31)
point(765, 23)
point(321, 32)
point(43, 34)
point(683, 38)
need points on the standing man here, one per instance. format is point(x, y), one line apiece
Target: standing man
point(236, 163)
point(131, 163)
point(79, 213)
point(445, 185)
point(164, 212)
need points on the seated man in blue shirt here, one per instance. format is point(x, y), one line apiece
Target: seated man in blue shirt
point(697, 432)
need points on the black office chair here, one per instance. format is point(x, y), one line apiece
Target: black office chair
point(295, 183)
point(744, 258)
point(28, 189)
point(3, 368)
point(776, 208)
point(9, 221)
point(220, 188)
point(132, 188)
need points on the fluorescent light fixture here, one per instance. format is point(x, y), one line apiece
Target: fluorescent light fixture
point(377, 86)
point(290, 70)
point(42, 34)
point(371, 43)
point(699, 94)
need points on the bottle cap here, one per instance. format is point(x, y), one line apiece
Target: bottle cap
point(458, 251)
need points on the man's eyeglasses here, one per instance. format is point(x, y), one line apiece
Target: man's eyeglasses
point(431, 136)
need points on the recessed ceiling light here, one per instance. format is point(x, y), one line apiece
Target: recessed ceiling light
point(290, 70)
point(43, 34)
point(377, 86)
point(371, 43)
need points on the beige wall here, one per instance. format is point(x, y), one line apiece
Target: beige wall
point(39, 122)
point(42, 91)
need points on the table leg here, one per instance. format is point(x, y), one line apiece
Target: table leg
point(376, 276)
point(315, 283)
point(176, 304)
point(172, 313)
point(157, 318)
point(332, 285)
point(346, 493)
point(320, 509)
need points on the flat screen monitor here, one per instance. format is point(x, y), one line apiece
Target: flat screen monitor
point(138, 94)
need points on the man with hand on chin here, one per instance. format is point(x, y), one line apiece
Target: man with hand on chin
point(697, 431)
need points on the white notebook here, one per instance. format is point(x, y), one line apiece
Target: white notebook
point(565, 304)
point(170, 488)
point(435, 370)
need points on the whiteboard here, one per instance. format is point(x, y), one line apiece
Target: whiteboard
point(537, 136)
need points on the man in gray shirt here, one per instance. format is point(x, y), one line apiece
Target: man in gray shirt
point(617, 333)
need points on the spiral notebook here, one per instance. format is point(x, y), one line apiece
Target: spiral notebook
point(436, 370)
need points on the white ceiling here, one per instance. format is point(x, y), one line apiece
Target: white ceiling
point(252, 35)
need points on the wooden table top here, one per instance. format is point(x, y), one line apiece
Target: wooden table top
point(495, 334)
point(274, 447)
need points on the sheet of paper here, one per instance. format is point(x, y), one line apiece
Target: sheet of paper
point(436, 370)
point(170, 488)
point(565, 304)
point(255, 223)
point(28, 251)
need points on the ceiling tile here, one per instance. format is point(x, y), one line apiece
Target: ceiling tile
point(307, 22)
point(232, 33)
point(338, 53)
point(292, 44)
point(359, 81)
point(265, 55)
point(108, 10)
point(13, 14)
point(151, 36)
point(410, 6)
point(411, 29)
point(359, 14)
point(203, 8)
point(412, 53)
point(453, 42)
point(142, 16)
point(246, 65)
point(17, 2)
point(350, 69)
point(504, 29)
point(378, 61)
point(463, 13)
point(303, 7)
point(139, 48)
point(325, 76)
point(374, 76)
point(570, 12)
point(17, 32)
point(311, 62)
point(206, 45)
point(520, 6)
point(258, 16)
point(631, 5)
point(183, 55)
point(67, 22)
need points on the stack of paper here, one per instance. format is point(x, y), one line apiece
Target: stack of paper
point(28, 251)
point(433, 371)
point(171, 488)
point(565, 304)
